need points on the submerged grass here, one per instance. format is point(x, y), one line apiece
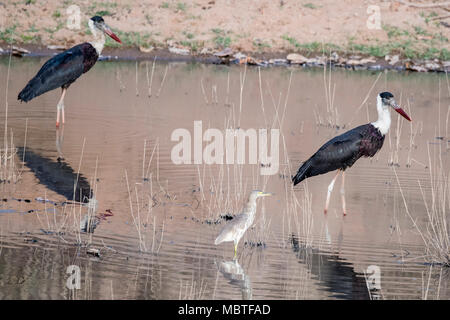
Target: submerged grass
point(435, 233)
point(9, 173)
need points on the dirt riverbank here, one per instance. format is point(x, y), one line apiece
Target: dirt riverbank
point(350, 33)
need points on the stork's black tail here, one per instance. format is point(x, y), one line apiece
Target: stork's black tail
point(31, 90)
point(302, 173)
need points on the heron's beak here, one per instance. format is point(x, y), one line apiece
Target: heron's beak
point(265, 194)
point(108, 31)
point(399, 110)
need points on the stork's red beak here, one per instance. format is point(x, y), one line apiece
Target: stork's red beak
point(112, 35)
point(403, 113)
point(399, 110)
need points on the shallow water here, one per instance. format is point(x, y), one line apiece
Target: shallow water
point(158, 220)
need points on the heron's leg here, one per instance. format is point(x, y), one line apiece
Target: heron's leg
point(330, 189)
point(235, 249)
point(60, 107)
point(343, 193)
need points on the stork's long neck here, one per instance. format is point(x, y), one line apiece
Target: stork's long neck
point(384, 117)
point(99, 38)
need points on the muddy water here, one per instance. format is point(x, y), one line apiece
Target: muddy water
point(158, 220)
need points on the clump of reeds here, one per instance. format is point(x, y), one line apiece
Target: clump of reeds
point(193, 289)
point(9, 172)
point(435, 234)
point(143, 197)
point(8, 169)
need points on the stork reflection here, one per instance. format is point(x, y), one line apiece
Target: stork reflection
point(332, 271)
point(59, 142)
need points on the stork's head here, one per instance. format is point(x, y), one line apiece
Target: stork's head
point(386, 99)
point(97, 23)
point(257, 193)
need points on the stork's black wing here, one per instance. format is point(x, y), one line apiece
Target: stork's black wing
point(338, 153)
point(61, 70)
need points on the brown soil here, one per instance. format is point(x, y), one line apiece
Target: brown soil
point(245, 25)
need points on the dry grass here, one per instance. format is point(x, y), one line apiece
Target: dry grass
point(437, 234)
point(435, 230)
point(193, 289)
point(9, 172)
point(225, 188)
point(143, 197)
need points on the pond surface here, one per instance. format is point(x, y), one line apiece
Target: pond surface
point(157, 220)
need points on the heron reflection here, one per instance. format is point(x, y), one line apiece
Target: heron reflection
point(236, 275)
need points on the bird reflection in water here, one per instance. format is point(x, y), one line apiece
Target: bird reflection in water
point(237, 277)
point(332, 271)
point(61, 178)
point(59, 142)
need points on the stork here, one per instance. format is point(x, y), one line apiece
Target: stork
point(342, 151)
point(64, 68)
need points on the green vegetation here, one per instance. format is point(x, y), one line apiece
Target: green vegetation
point(56, 14)
point(405, 48)
point(93, 8)
point(420, 31)
point(310, 5)
point(103, 13)
point(419, 44)
point(193, 45)
point(149, 19)
point(410, 41)
point(394, 32)
point(8, 34)
point(311, 47)
point(181, 6)
point(221, 38)
point(27, 38)
point(428, 17)
point(401, 42)
point(261, 45)
point(33, 29)
point(194, 17)
point(131, 39)
point(291, 40)
point(59, 26)
point(189, 35)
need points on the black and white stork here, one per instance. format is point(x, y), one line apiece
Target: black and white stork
point(66, 67)
point(342, 151)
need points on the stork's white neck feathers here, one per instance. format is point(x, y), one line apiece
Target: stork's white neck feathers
point(384, 117)
point(99, 38)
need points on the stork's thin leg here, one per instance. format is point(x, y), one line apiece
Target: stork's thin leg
point(235, 250)
point(60, 107)
point(343, 193)
point(330, 189)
